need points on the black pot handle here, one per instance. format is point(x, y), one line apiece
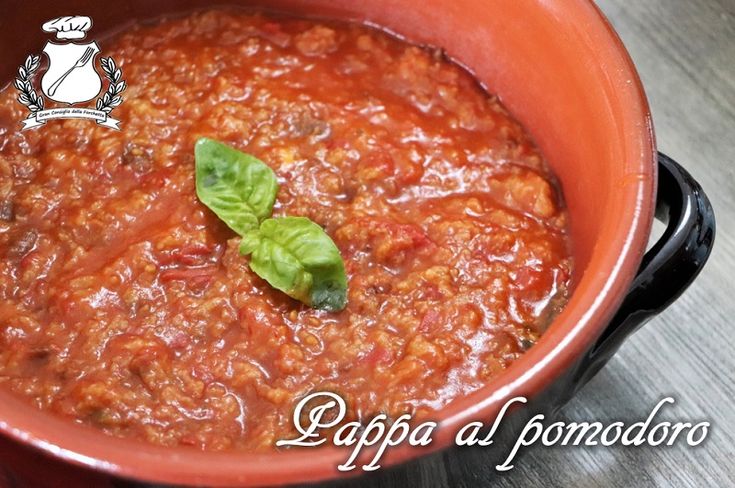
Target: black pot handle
point(668, 268)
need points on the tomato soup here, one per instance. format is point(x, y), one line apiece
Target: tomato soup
point(125, 304)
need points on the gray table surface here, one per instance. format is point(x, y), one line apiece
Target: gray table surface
point(685, 52)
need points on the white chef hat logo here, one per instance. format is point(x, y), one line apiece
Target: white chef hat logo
point(70, 78)
point(69, 27)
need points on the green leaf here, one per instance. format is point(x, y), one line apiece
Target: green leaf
point(296, 256)
point(238, 187)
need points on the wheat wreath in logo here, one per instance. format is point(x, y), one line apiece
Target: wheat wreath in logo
point(70, 79)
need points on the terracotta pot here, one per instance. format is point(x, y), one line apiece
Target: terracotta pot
point(562, 71)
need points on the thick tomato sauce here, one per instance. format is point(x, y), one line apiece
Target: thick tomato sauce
point(124, 303)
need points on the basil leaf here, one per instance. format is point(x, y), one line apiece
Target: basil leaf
point(293, 254)
point(296, 256)
point(236, 186)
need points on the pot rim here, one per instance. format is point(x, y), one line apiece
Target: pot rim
point(556, 351)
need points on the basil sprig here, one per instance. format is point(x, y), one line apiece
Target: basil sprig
point(293, 254)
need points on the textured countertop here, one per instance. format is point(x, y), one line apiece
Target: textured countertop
point(685, 53)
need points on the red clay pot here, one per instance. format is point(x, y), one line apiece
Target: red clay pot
point(563, 72)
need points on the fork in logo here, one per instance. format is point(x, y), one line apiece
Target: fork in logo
point(84, 59)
